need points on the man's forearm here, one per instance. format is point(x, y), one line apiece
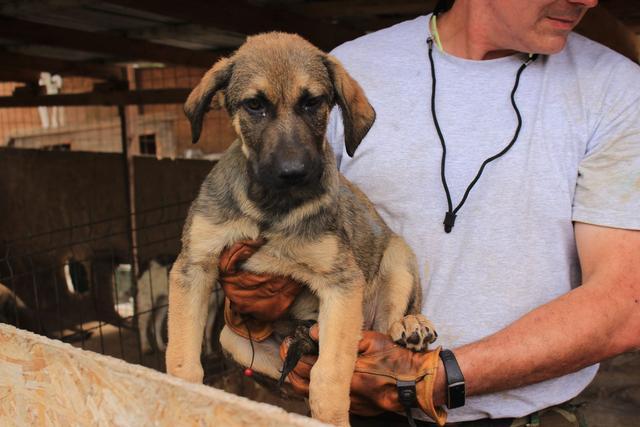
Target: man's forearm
point(579, 329)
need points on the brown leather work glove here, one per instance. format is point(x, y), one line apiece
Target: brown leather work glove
point(380, 364)
point(253, 300)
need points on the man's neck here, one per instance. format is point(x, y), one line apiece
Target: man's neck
point(468, 33)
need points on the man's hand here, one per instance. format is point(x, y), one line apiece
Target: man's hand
point(380, 364)
point(258, 296)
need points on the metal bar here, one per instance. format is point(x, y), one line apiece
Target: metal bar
point(129, 178)
point(115, 285)
point(93, 293)
point(81, 307)
point(12, 287)
point(35, 294)
point(55, 268)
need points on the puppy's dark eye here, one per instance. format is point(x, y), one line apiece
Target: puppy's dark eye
point(311, 104)
point(255, 106)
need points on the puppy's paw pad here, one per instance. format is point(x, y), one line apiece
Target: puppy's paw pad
point(414, 332)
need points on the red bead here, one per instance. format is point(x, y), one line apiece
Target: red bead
point(248, 372)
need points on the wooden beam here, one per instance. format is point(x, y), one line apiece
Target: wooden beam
point(132, 49)
point(601, 25)
point(338, 9)
point(47, 382)
point(131, 97)
point(24, 7)
point(8, 74)
point(242, 17)
point(369, 24)
point(59, 66)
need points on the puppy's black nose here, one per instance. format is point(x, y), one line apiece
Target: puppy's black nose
point(292, 171)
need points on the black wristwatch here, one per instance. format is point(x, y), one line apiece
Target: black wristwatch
point(455, 380)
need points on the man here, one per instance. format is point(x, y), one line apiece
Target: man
point(537, 277)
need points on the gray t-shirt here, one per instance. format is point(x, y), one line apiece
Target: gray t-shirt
point(512, 248)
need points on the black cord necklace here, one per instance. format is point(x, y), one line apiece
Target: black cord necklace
point(450, 215)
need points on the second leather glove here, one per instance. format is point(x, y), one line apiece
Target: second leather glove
point(253, 300)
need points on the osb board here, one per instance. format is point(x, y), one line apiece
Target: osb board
point(49, 383)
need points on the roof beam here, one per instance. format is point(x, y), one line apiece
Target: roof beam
point(601, 25)
point(21, 7)
point(338, 9)
point(242, 17)
point(62, 67)
point(125, 97)
point(120, 47)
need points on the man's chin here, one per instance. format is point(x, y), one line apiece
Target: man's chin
point(550, 44)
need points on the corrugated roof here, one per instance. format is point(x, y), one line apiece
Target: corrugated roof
point(187, 31)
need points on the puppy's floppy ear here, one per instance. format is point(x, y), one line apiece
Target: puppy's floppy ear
point(199, 100)
point(357, 114)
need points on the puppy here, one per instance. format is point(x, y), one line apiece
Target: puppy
point(279, 181)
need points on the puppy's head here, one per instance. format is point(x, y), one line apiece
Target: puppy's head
point(278, 90)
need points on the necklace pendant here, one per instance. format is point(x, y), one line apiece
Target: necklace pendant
point(449, 221)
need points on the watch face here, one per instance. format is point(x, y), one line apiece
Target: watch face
point(456, 397)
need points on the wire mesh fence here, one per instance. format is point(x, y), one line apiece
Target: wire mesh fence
point(94, 199)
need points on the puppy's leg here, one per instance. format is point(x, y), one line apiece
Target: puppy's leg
point(340, 322)
point(190, 284)
point(398, 281)
point(189, 290)
point(398, 308)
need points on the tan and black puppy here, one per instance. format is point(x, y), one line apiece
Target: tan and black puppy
point(279, 181)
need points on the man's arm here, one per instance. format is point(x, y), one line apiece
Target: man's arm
point(595, 321)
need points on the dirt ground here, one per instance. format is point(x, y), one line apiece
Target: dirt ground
point(612, 399)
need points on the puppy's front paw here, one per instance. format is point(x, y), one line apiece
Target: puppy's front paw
point(414, 332)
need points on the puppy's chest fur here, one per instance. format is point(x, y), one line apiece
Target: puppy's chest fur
point(305, 260)
point(332, 246)
point(313, 242)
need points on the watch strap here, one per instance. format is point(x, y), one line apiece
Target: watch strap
point(455, 380)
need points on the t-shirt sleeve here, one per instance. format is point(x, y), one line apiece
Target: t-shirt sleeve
point(608, 184)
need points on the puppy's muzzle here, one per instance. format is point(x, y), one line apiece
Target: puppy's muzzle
point(292, 172)
point(293, 168)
